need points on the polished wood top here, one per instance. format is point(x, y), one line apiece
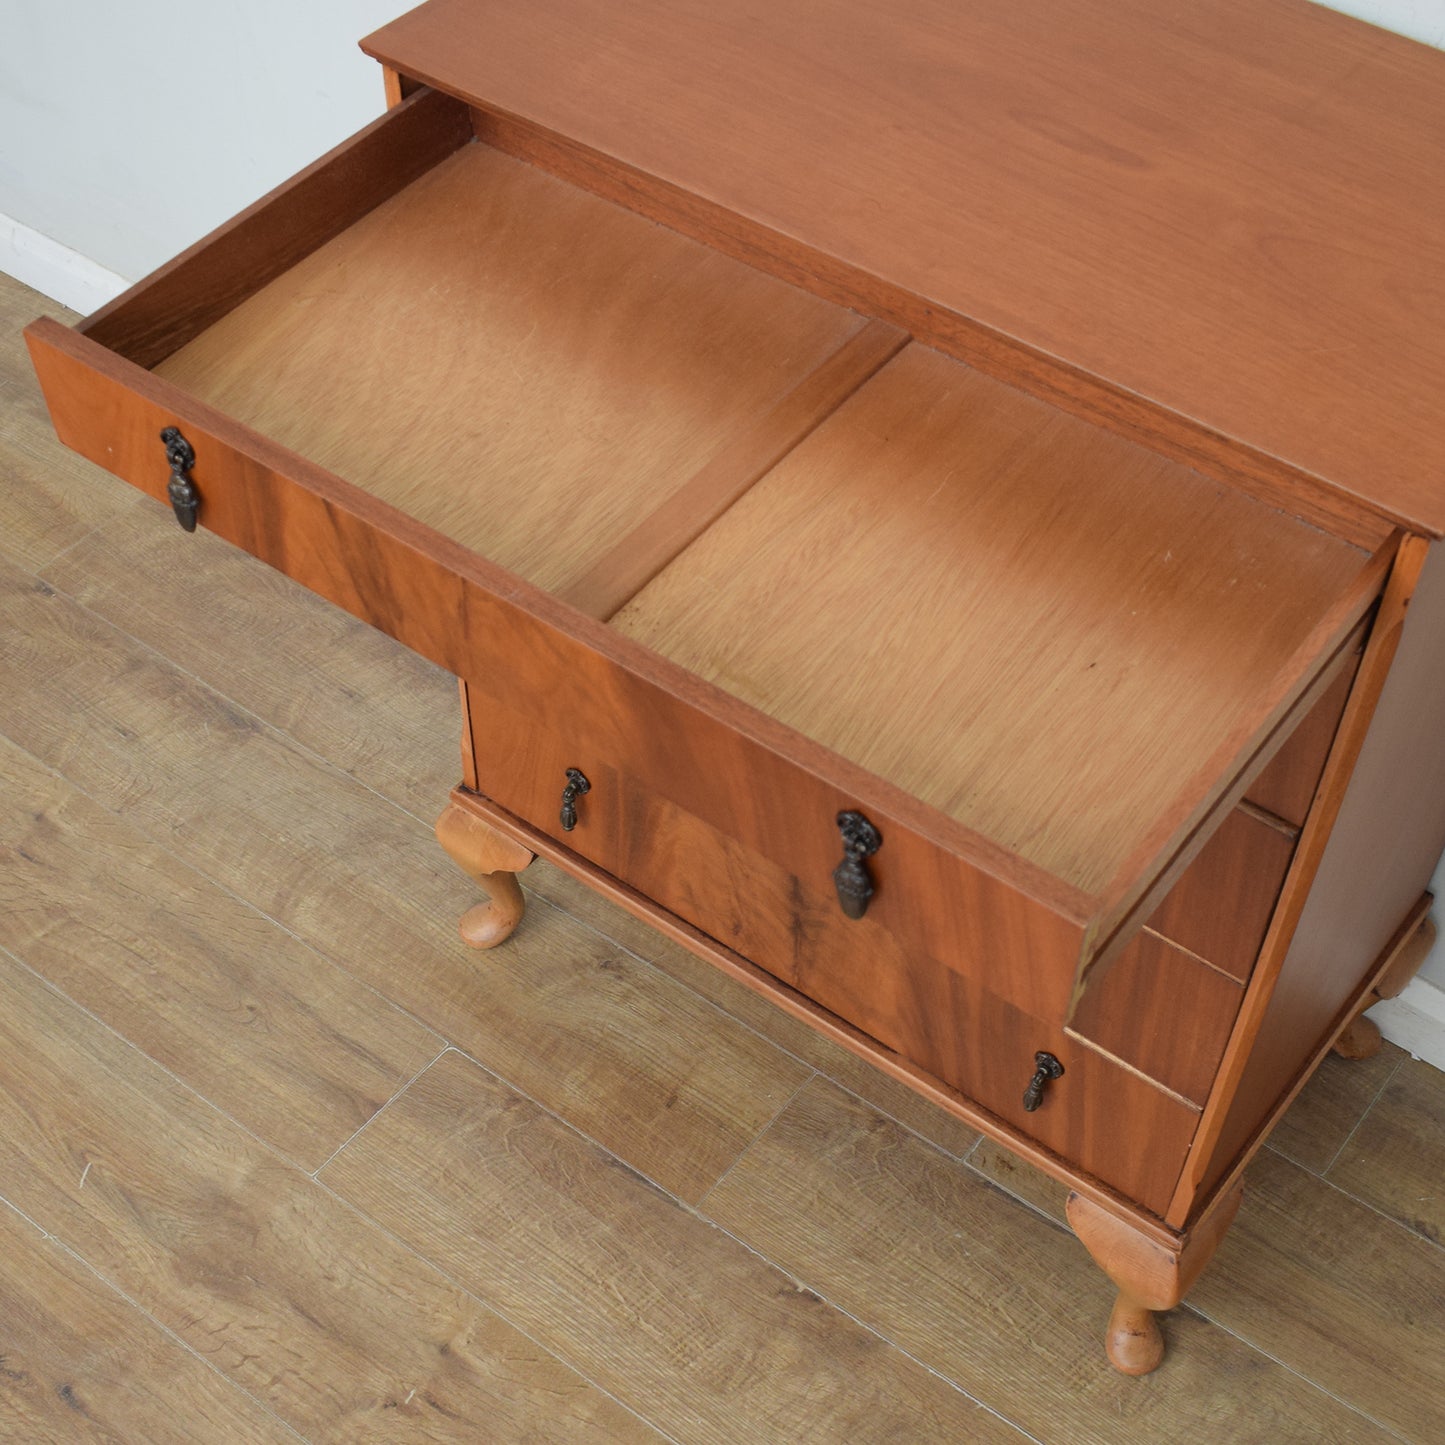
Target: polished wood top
point(1233, 209)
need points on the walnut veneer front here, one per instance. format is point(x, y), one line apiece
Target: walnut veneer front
point(734, 558)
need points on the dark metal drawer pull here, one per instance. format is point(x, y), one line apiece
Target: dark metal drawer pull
point(577, 784)
point(860, 840)
point(185, 499)
point(1046, 1069)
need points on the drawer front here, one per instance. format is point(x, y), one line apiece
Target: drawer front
point(567, 676)
point(960, 1028)
point(1287, 786)
point(1222, 904)
point(1163, 1012)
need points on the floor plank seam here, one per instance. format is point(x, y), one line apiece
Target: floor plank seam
point(366, 1123)
point(39, 572)
point(155, 1063)
point(748, 1147)
point(873, 1330)
point(1365, 1114)
point(490, 1306)
point(1034, 1208)
point(743, 1023)
point(1393, 1220)
point(1314, 1384)
point(686, 1207)
point(164, 843)
point(160, 1325)
point(240, 706)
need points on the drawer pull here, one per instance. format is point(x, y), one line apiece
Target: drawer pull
point(185, 499)
point(577, 784)
point(860, 840)
point(1046, 1069)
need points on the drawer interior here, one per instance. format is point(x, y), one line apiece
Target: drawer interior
point(924, 586)
point(520, 364)
point(1048, 633)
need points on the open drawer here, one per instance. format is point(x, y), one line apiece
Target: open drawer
point(697, 520)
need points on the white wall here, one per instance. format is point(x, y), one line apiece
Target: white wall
point(1419, 19)
point(128, 130)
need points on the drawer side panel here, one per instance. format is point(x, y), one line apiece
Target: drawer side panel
point(203, 283)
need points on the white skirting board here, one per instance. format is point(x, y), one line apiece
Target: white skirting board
point(55, 270)
point(1416, 1020)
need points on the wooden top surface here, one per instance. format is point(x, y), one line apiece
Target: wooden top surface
point(1033, 625)
point(1232, 208)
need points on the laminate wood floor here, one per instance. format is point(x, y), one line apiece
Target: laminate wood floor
point(280, 1159)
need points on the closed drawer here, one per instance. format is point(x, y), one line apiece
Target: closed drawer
point(1286, 788)
point(1098, 1114)
point(1221, 907)
point(462, 400)
point(1162, 1012)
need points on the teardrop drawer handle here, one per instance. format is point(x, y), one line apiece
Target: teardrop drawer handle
point(1046, 1069)
point(185, 499)
point(851, 877)
point(577, 784)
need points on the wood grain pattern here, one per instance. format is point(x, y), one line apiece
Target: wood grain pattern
point(207, 280)
point(644, 1296)
point(772, 898)
point(80, 1363)
point(1395, 1160)
point(637, 558)
point(1149, 982)
point(378, 712)
point(1191, 161)
point(50, 499)
point(342, 1332)
point(952, 1028)
point(1333, 1290)
point(511, 642)
point(1221, 906)
point(637, 1061)
point(1287, 786)
point(931, 524)
point(337, 687)
point(834, 1028)
point(576, 364)
point(917, 1246)
point(887, 1094)
point(272, 1033)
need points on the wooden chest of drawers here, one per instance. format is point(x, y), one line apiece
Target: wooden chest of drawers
point(879, 539)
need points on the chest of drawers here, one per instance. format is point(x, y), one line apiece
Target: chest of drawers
point(889, 497)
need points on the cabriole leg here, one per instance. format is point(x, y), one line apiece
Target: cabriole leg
point(493, 861)
point(1151, 1275)
point(1360, 1038)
